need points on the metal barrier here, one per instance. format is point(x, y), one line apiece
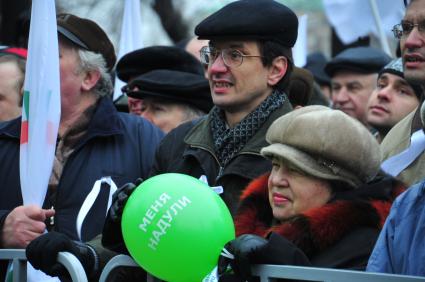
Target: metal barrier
point(19, 259)
point(265, 272)
point(271, 272)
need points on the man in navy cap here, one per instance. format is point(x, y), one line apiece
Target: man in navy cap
point(353, 75)
point(95, 143)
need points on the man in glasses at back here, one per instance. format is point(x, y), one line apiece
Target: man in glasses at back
point(402, 153)
point(249, 61)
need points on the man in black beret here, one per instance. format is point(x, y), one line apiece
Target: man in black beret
point(353, 75)
point(94, 142)
point(150, 58)
point(249, 62)
point(170, 97)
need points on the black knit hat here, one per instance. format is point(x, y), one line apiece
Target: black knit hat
point(251, 19)
point(88, 35)
point(157, 57)
point(396, 67)
point(174, 86)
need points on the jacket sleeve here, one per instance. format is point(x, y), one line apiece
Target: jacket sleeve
point(382, 254)
point(279, 250)
point(151, 137)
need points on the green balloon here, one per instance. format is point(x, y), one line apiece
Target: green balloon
point(174, 226)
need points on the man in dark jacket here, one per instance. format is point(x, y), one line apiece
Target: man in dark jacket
point(95, 142)
point(249, 61)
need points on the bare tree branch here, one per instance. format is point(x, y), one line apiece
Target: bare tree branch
point(171, 20)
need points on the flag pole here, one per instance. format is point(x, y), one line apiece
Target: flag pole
point(382, 37)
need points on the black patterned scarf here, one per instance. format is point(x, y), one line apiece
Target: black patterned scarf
point(229, 141)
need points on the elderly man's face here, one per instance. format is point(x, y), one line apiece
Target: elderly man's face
point(71, 78)
point(351, 92)
point(165, 115)
point(413, 44)
point(10, 96)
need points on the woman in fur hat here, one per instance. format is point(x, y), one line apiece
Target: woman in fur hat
point(322, 204)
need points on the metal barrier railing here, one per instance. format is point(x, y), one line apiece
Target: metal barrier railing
point(19, 260)
point(265, 272)
point(270, 272)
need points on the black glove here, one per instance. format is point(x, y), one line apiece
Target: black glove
point(112, 235)
point(251, 249)
point(241, 248)
point(42, 253)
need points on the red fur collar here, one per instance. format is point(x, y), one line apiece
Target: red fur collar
point(316, 229)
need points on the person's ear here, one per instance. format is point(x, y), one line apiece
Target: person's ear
point(90, 79)
point(277, 70)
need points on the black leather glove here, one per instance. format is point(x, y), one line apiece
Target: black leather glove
point(241, 248)
point(42, 253)
point(251, 249)
point(112, 235)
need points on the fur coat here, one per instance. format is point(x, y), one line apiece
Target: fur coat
point(340, 234)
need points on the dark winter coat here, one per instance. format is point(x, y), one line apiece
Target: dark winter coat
point(116, 144)
point(189, 149)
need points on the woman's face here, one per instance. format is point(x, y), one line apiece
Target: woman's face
point(291, 192)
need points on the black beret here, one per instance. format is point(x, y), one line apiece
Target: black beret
point(175, 86)
point(316, 65)
point(358, 59)
point(88, 35)
point(146, 59)
point(251, 19)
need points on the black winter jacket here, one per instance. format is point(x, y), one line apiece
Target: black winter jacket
point(189, 149)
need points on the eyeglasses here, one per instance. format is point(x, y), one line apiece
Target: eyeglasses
point(231, 57)
point(404, 28)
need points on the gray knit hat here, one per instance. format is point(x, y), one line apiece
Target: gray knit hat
point(325, 143)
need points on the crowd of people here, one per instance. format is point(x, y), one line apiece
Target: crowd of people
point(319, 166)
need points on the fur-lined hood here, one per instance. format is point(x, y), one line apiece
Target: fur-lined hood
point(318, 229)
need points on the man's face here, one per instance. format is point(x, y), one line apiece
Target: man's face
point(165, 115)
point(238, 89)
point(71, 78)
point(351, 92)
point(413, 44)
point(9, 94)
point(391, 101)
point(134, 106)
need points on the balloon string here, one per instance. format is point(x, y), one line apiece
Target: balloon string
point(227, 254)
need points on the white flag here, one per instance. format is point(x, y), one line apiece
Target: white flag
point(354, 18)
point(131, 36)
point(300, 48)
point(41, 109)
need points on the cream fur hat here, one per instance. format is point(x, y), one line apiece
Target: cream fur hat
point(325, 143)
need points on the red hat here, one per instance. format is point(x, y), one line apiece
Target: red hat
point(16, 51)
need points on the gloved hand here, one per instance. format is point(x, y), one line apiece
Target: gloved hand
point(43, 251)
point(251, 249)
point(112, 235)
point(241, 248)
